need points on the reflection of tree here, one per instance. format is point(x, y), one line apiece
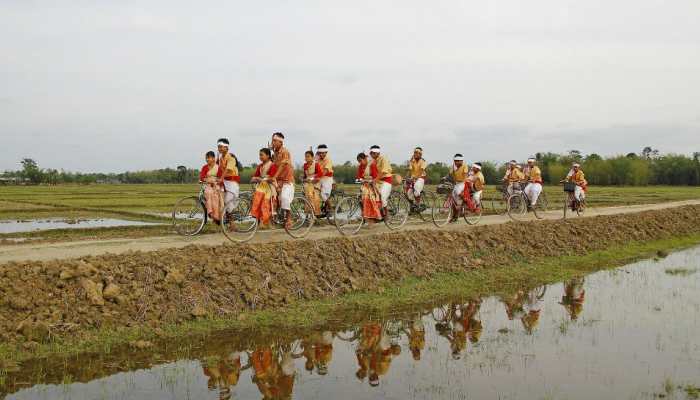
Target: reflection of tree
point(573, 297)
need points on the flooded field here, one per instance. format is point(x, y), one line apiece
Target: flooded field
point(625, 333)
point(62, 223)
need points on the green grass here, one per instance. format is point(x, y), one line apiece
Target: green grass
point(141, 202)
point(681, 271)
point(393, 297)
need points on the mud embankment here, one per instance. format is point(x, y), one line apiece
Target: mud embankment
point(40, 301)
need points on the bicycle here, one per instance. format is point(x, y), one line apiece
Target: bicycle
point(499, 200)
point(518, 203)
point(189, 213)
point(570, 200)
point(239, 226)
point(427, 197)
point(349, 217)
point(443, 209)
point(327, 210)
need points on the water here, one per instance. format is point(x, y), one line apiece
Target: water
point(621, 334)
point(45, 224)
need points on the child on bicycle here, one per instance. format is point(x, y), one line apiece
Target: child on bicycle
point(326, 180)
point(265, 195)
point(312, 173)
point(212, 191)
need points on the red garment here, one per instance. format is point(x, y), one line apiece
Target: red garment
point(270, 172)
point(360, 172)
point(467, 195)
point(203, 173)
point(318, 174)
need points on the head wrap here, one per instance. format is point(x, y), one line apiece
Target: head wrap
point(322, 148)
point(459, 157)
point(477, 165)
point(531, 159)
point(278, 135)
point(576, 165)
point(418, 149)
point(375, 149)
point(222, 142)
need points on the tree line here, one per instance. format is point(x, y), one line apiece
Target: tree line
point(648, 167)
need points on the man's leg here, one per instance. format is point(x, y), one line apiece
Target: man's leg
point(457, 199)
point(477, 198)
point(535, 190)
point(326, 190)
point(286, 196)
point(384, 193)
point(231, 198)
point(418, 189)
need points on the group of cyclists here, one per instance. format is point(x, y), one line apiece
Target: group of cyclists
point(274, 180)
point(377, 344)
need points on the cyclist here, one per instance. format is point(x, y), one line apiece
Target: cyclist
point(458, 175)
point(265, 194)
point(514, 175)
point(326, 179)
point(284, 176)
point(533, 174)
point(576, 176)
point(384, 177)
point(212, 192)
point(417, 170)
point(474, 187)
point(371, 202)
point(312, 174)
point(228, 175)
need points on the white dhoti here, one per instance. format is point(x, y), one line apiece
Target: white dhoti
point(457, 193)
point(286, 196)
point(579, 193)
point(533, 190)
point(385, 192)
point(232, 190)
point(326, 187)
point(418, 187)
point(476, 196)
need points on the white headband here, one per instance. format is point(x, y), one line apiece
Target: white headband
point(322, 150)
point(459, 158)
point(530, 159)
point(376, 150)
point(278, 137)
point(477, 166)
point(222, 144)
point(577, 165)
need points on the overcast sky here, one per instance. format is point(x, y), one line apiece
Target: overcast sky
point(126, 85)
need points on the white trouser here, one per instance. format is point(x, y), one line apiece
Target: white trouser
point(385, 192)
point(476, 196)
point(579, 193)
point(231, 196)
point(286, 196)
point(326, 187)
point(457, 193)
point(533, 190)
point(418, 187)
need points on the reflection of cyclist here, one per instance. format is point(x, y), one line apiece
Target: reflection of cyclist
point(374, 353)
point(465, 326)
point(532, 310)
point(223, 374)
point(273, 372)
point(534, 181)
point(573, 298)
point(416, 337)
point(318, 351)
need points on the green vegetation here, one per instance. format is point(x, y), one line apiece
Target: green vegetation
point(409, 293)
point(681, 271)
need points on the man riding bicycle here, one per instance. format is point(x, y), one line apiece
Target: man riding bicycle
point(417, 171)
point(514, 175)
point(384, 176)
point(326, 180)
point(458, 175)
point(228, 175)
point(533, 174)
point(576, 176)
point(284, 176)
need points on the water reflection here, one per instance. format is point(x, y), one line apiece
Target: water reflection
point(544, 345)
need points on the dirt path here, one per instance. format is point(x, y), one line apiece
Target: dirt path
point(65, 250)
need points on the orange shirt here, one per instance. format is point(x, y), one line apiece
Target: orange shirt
point(287, 171)
point(326, 166)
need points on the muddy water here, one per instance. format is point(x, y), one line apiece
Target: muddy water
point(626, 333)
point(44, 224)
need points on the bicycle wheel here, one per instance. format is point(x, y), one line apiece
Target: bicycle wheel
point(189, 216)
point(330, 208)
point(517, 206)
point(238, 225)
point(397, 210)
point(425, 208)
point(303, 218)
point(348, 215)
point(471, 217)
point(567, 203)
point(442, 209)
point(540, 207)
point(581, 207)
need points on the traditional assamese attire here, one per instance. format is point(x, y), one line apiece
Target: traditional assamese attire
point(212, 191)
point(265, 194)
point(417, 171)
point(514, 176)
point(473, 189)
point(326, 179)
point(313, 170)
point(579, 179)
point(286, 177)
point(229, 170)
point(371, 202)
point(534, 186)
point(459, 176)
point(385, 176)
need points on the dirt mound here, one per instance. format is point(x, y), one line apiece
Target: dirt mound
point(43, 300)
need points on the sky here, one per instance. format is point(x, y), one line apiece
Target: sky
point(128, 85)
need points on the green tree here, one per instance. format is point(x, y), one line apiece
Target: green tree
point(31, 171)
